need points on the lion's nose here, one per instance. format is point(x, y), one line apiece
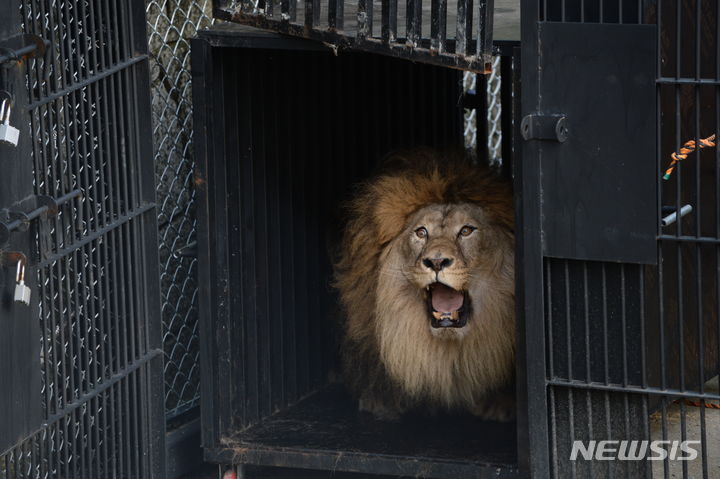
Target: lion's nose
point(437, 264)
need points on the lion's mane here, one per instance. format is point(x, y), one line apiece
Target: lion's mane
point(388, 379)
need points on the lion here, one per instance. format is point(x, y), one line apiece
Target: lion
point(426, 279)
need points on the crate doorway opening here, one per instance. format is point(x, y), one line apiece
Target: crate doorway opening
point(285, 136)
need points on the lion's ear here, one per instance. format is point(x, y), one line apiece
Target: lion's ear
point(398, 197)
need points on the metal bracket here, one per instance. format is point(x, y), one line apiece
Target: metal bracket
point(544, 127)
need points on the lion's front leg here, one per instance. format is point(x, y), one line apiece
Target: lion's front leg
point(496, 407)
point(380, 407)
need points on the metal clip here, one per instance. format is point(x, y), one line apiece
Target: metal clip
point(545, 127)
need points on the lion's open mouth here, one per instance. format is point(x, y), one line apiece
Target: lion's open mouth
point(448, 307)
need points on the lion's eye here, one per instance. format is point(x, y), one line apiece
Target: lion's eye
point(421, 232)
point(467, 230)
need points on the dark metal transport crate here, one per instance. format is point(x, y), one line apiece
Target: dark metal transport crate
point(616, 268)
point(284, 129)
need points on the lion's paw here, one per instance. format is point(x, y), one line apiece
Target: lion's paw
point(499, 407)
point(378, 409)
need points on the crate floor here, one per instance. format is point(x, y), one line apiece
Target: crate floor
point(325, 431)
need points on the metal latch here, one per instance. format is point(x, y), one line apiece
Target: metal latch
point(544, 127)
point(18, 220)
point(21, 47)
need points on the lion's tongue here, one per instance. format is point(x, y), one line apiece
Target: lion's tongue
point(446, 299)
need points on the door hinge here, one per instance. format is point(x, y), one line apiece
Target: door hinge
point(544, 127)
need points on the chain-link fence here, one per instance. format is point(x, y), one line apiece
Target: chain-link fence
point(493, 113)
point(171, 23)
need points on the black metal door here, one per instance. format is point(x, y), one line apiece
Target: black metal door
point(20, 411)
point(81, 365)
point(589, 219)
point(619, 265)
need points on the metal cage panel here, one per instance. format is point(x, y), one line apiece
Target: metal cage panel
point(628, 351)
point(95, 261)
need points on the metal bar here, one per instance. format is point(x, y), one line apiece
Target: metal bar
point(316, 11)
point(589, 406)
point(571, 423)
point(414, 23)
point(672, 217)
point(623, 323)
point(47, 348)
point(654, 391)
point(688, 81)
point(507, 100)
point(63, 121)
point(142, 147)
point(485, 27)
point(586, 311)
point(553, 431)
point(89, 80)
point(309, 14)
point(389, 20)
point(336, 14)
point(689, 239)
point(438, 25)
point(364, 20)
point(568, 319)
point(606, 359)
point(124, 99)
point(463, 36)
point(481, 118)
point(36, 213)
point(532, 393)
point(18, 54)
point(124, 393)
point(292, 10)
point(95, 234)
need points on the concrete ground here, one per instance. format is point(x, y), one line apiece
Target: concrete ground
point(692, 419)
point(211, 472)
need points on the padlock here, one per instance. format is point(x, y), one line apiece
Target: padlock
point(22, 291)
point(8, 133)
